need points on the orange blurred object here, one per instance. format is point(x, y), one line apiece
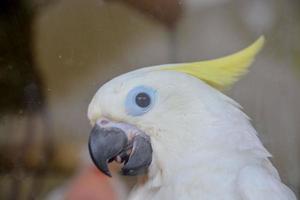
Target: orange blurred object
point(91, 184)
point(166, 12)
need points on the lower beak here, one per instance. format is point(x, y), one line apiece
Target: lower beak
point(115, 141)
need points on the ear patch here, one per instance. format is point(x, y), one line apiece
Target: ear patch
point(223, 72)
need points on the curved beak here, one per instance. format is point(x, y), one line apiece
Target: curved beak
point(116, 141)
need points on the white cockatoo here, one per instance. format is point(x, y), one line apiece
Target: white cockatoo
point(193, 142)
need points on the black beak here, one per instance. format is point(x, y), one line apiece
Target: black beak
point(112, 143)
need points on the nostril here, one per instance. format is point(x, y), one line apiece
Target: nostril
point(104, 122)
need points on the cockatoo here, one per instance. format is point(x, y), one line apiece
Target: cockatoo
point(193, 142)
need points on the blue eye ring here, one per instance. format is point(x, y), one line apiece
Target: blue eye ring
point(140, 100)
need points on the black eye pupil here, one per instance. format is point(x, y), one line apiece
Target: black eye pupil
point(142, 100)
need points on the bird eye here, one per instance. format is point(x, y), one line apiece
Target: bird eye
point(139, 100)
point(142, 100)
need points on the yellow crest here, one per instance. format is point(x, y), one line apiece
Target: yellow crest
point(222, 72)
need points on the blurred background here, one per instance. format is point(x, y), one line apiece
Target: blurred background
point(55, 54)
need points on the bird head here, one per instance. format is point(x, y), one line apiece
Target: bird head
point(155, 116)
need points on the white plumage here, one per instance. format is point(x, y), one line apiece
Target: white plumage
point(204, 147)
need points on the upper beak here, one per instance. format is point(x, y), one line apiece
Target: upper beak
point(121, 142)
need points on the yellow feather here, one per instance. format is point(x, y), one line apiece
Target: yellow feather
point(221, 73)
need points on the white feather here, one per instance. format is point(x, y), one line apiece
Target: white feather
point(203, 144)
